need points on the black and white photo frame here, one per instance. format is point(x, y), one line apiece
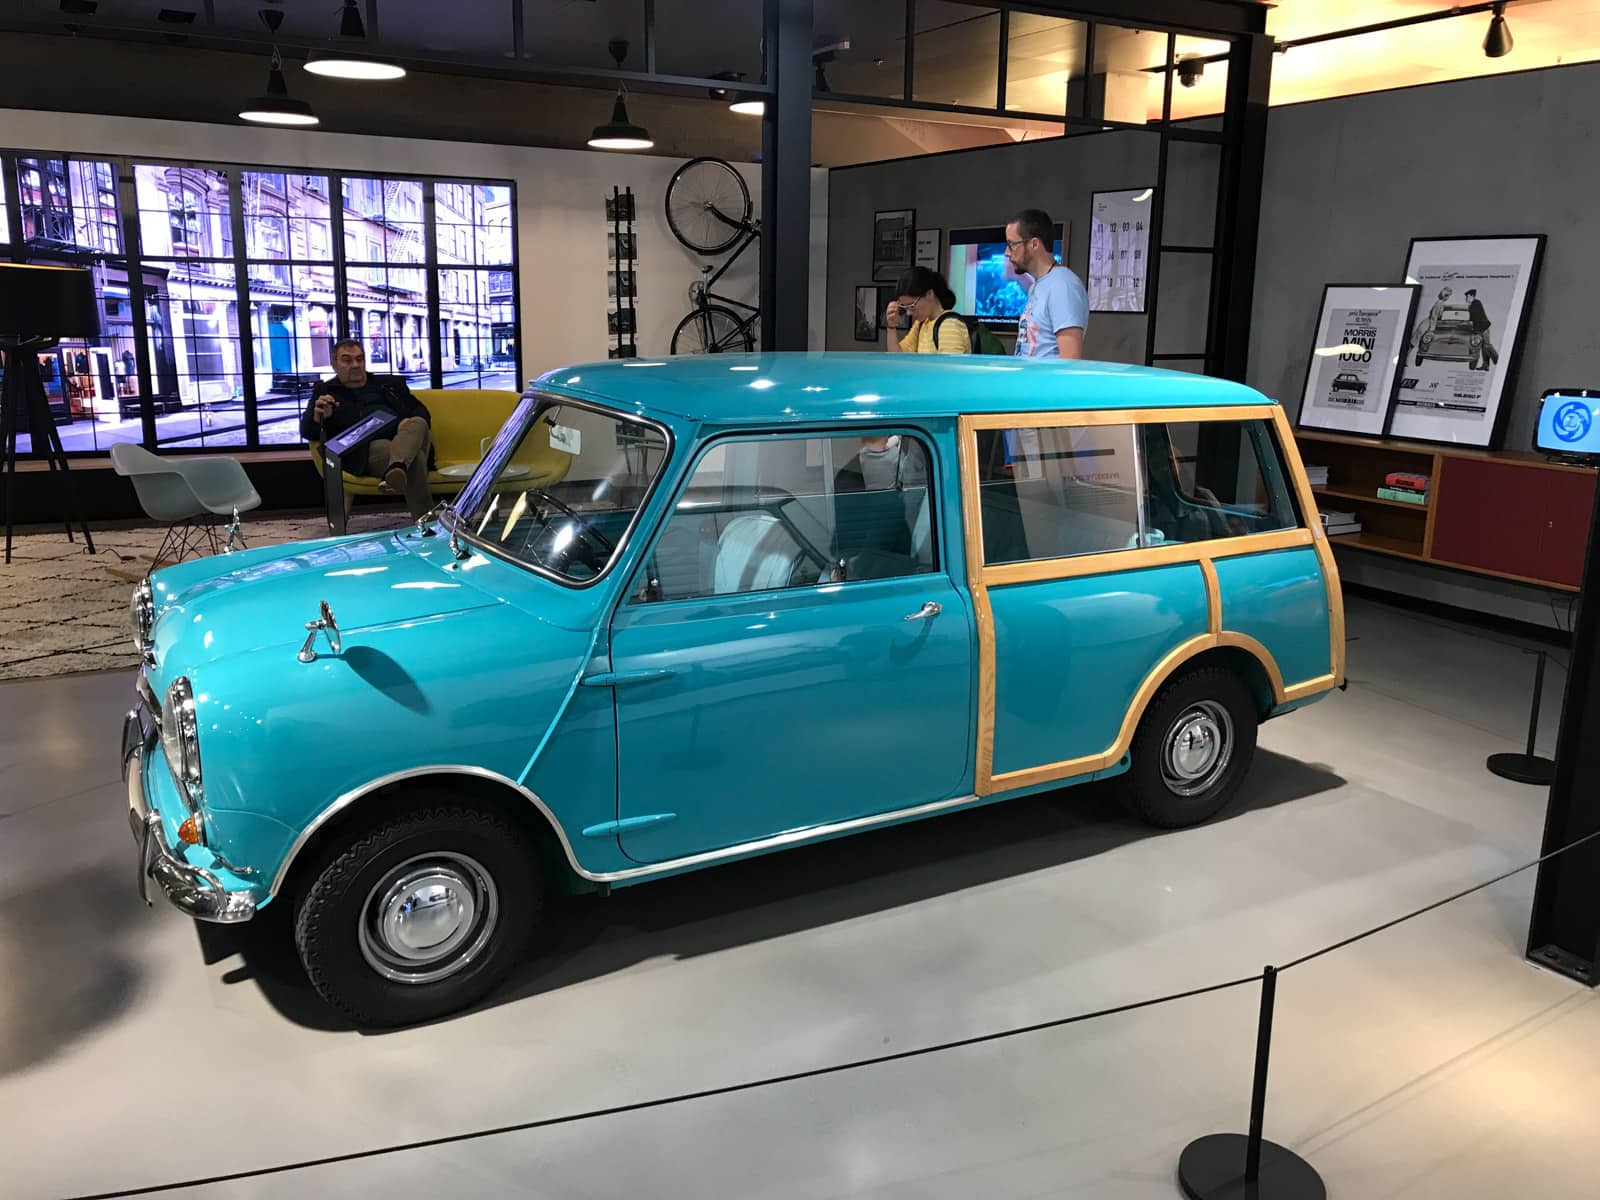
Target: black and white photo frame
point(894, 235)
point(1356, 357)
point(1462, 349)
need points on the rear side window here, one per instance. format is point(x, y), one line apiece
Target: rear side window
point(1212, 479)
point(761, 514)
point(1057, 492)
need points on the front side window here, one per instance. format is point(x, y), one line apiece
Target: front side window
point(1213, 479)
point(561, 486)
point(764, 514)
point(1057, 492)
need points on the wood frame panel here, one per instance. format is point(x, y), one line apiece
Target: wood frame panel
point(981, 577)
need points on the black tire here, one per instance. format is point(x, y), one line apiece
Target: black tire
point(1207, 701)
point(708, 205)
point(712, 330)
point(345, 954)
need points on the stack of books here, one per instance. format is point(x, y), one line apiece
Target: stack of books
point(1316, 476)
point(1336, 523)
point(1404, 487)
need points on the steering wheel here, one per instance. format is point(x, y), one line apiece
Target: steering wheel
point(597, 540)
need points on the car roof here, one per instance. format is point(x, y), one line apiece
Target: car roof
point(794, 387)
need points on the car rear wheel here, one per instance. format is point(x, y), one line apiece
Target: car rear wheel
point(1192, 749)
point(419, 915)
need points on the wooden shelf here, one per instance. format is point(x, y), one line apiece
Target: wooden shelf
point(1504, 514)
point(1363, 498)
point(1379, 544)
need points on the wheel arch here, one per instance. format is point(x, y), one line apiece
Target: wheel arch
point(494, 792)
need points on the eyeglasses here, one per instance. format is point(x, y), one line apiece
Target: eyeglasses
point(1018, 242)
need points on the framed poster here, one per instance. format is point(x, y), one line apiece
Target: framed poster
point(1119, 249)
point(928, 249)
point(893, 236)
point(868, 312)
point(1461, 354)
point(1355, 357)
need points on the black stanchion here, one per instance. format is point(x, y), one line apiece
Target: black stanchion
point(1530, 767)
point(1225, 1166)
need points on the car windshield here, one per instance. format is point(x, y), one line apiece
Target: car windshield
point(561, 486)
point(1455, 313)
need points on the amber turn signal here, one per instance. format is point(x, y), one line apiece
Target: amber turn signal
point(189, 831)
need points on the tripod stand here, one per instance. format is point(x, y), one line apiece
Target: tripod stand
point(22, 399)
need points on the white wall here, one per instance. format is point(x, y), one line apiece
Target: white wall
point(561, 226)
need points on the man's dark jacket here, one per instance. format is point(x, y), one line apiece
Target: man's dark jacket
point(1476, 316)
point(395, 396)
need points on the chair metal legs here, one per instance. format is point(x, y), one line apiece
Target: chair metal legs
point(197, 535)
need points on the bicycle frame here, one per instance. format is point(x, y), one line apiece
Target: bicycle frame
point(752, 233)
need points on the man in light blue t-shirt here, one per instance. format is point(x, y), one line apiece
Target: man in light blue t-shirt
point(1057, 312)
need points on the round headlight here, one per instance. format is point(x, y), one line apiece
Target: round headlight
point(142, 617)
point(180, 736)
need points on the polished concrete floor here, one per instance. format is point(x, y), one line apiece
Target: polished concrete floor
point(1428, 1062)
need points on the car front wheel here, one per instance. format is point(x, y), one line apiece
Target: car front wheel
point(1192, 749)
point(419, 915)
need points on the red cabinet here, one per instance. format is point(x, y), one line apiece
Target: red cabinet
point(1512, 518)
point(1498, 512)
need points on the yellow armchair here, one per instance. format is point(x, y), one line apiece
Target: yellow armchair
point(461, 420)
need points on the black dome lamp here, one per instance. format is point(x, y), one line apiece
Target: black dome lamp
point(276, 107)
point(1497, 42)
point(619, 133)
point(351, 62)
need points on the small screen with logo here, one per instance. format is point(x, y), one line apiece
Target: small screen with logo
point(1569, 422)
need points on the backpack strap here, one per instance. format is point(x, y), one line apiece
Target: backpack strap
point(945, 316)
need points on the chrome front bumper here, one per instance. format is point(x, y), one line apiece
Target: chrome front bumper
point(191, 889)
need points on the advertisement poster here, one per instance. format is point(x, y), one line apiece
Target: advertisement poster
point(1462, 347)
point(1355, 357)
point(1119, 249)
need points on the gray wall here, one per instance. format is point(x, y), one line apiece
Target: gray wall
point(1350, 182)
point(985, 187)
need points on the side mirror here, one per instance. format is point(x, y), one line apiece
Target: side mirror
point(325, 621)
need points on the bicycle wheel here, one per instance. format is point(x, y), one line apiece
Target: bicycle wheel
point(712, 330)
point(708, 205)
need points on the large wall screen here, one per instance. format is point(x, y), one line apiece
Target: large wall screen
point(223, 288)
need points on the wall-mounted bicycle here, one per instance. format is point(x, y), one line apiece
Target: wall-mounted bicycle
point(708, 210)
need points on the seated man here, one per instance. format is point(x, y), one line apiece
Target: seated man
point(400, 457)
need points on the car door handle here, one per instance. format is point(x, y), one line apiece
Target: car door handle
point(625, 678)
point(931, 609)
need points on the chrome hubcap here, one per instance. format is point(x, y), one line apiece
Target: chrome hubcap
point(1197, 748)
point(428, 918)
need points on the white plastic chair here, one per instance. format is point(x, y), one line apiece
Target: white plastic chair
point(190, 494)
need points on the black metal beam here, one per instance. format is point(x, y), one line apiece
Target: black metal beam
point(786, 176)
point(430, 276)
point(245, 310)
point(1238, 225)
point(1564, 930)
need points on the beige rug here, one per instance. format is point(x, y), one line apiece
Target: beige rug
point(63, 610)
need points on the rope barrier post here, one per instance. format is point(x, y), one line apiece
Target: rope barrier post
point(1530, 767)
point(1233, 1166)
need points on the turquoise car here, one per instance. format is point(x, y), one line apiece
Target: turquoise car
point(766, 600)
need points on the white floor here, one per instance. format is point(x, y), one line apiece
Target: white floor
point(1430, 1061)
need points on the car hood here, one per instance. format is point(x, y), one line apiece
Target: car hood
point(267, 598)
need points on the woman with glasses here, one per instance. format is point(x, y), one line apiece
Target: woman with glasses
point(923, 312)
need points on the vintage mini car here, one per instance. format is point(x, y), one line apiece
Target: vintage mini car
point(1451, 338)
point(771, 600)
point(1349, 381)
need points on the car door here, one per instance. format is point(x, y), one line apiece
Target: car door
point(794, 654)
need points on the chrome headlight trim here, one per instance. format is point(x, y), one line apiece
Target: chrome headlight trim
point(180, 738)
point(142, 616)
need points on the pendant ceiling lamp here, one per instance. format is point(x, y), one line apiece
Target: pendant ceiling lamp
point(349, 59)
point(620, 133)
point(277, 107)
